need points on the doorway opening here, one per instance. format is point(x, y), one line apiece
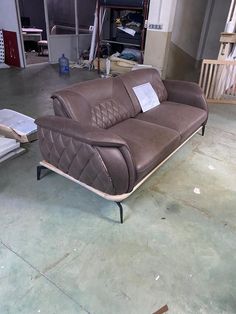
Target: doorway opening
point(69, 27)
point(33, 29)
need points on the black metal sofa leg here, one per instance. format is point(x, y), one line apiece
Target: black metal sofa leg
point(203, 130)
point(121, 212)
point(39, 169)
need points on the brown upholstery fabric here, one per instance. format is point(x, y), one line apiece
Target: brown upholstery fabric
point(149, 144)
point(182, 118)
point(108, 113)
point(138, 77)
point(88, 135)
point(101, 160)
point(188, 93)
point(79, 160)
point(100, 137)
point(59, 109)
point(118, 172)
point(99, 103)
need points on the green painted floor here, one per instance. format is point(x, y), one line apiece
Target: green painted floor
point(63, 250)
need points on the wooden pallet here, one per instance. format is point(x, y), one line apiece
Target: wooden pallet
point(218, 81)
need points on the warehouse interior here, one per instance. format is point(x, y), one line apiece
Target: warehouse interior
point(62, 247)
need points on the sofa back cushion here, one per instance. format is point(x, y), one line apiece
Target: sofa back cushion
point(142, 76)
point(100, 103)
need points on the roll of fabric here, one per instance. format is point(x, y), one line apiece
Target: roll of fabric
point(2, 50)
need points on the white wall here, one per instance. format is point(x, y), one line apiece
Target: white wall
point(9, 21)
point(158, 40)
point(188, 23)
point(216, 24)
point(163, 10)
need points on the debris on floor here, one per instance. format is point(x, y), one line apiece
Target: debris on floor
point(197, 191)
point(9, 148)
point(211, 167)
point(17, 126)
point(162, 310)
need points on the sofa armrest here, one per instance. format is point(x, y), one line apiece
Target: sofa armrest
point(188, 93)
point(88, 135)
point(94, 156)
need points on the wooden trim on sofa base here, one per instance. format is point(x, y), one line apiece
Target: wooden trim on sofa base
point(114, 198)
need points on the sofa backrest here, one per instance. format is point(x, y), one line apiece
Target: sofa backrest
point(100, 103)
point(105, 102)
point(142, 76)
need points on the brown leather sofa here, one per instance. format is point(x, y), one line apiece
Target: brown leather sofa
point(100, 138)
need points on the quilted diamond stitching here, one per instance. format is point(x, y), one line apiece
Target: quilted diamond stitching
point(75, 158)
point(108, 113)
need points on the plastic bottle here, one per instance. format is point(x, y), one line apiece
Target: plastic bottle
point(64, 65)
point(108, 67)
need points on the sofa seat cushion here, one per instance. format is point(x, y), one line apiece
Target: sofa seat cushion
point(182, 118)
point(149, 143)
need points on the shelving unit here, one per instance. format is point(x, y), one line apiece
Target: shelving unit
point(118, 9)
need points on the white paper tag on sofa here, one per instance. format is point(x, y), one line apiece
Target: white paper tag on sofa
point(147, 96)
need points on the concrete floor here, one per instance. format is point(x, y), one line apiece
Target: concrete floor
point(63, 251)
point(34, 58)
